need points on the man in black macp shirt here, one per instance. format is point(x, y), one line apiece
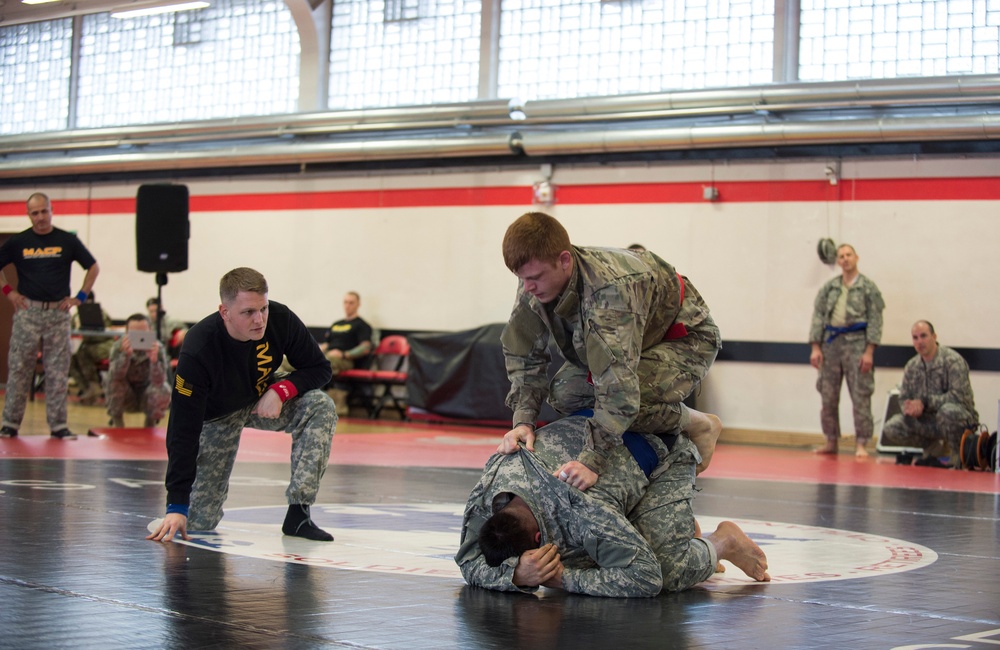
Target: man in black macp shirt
point(43, 256)
point(226, 381)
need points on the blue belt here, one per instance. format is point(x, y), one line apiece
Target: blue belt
point(837, 331)
point(639, 447)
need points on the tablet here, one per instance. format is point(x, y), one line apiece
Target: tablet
point(141, 339)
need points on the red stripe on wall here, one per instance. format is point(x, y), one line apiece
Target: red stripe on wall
point(401, 198)
point(893, 189)
point(735, 192)
point(927, 189)
point(72, 206)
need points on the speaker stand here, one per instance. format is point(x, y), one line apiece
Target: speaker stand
point(161, 279)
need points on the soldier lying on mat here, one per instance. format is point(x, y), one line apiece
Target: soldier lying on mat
point(525, 528)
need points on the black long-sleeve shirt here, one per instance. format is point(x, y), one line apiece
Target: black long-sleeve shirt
point(217, 375)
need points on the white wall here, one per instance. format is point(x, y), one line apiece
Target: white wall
point(439, 267)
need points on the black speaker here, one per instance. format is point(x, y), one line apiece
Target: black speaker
point(162, 228)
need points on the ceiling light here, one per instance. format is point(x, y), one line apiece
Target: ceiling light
point(158, 8)
point(37, 2)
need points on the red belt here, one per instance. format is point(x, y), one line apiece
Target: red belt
point(677, 330)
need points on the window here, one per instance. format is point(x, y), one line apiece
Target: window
point(404, 52)
point(234, 58)
point(865, 39)
point(34, 76)
point(242, 57)
point(574, 48)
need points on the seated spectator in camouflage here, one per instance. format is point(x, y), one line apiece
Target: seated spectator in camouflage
point(525, 528)
point(936, 399)
point(171, 332)
point(93, 350)
point(137, 380)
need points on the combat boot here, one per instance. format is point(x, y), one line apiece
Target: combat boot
point(339, 397)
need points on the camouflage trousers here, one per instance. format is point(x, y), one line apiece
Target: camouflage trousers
point(663, 514)
point(932, 432)
point(50, 329)
point(664, 517)
point(83, 365)
point(310, 419)
point(841, 359)
point(126, 397)
point(339, 365)
point(336, 365)
point(668, 373)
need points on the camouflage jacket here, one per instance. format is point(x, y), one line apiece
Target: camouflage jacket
point(601, 552)
point(864, 304)
point(942, 380)
point(617, 304)
point(136, 368)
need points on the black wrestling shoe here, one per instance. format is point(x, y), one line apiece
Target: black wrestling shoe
point(298, 523)
point(63, 434)
point(8, 432)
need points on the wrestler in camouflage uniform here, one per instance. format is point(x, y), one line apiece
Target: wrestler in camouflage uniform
point(310, 421)
point(843, 344)
point(637, 338)
point(603, 552)
point(942, 384)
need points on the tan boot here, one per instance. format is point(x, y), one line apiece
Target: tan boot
point(90, 395)
point(339, 397)
point(118, 421)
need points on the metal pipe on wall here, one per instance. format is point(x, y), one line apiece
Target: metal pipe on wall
point(896, 110)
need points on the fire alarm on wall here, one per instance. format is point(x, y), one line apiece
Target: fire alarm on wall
point(544, 193)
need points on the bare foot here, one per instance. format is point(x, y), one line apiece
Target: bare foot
point(720, 567)
point(860, 451)
point(733, 545)
point(829, 448)
point(704, 433)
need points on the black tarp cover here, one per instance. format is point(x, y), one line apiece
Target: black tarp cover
point(462, 374)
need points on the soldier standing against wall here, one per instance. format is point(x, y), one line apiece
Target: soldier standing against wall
point(43, 256)
point(846, 328)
